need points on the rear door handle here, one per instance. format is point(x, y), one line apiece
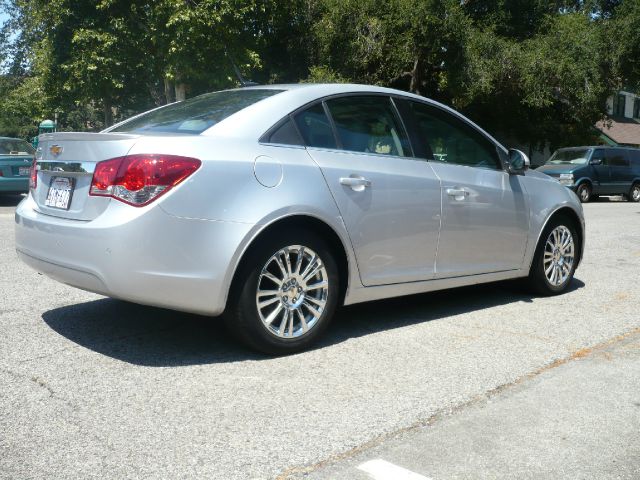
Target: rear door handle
point(457, 193)
point(358, 184)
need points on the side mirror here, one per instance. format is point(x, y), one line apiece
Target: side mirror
point(595, 161)
point(518, 162)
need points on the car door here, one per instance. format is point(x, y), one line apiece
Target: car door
point(485, 214)
point(389, 200)
point(620, 170)
point(601, 177)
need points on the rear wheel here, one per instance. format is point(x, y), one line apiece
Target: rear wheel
point(634, 193)
point(584, 192)
point(285, 293)
point(554, 262)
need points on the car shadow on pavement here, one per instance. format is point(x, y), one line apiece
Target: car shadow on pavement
point(158, 337)
point(10, 199)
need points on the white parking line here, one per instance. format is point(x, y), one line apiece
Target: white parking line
point(381, 470)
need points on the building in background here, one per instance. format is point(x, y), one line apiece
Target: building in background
point(623, 126)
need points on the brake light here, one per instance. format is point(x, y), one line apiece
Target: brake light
point(33, 175)
point(140, 179)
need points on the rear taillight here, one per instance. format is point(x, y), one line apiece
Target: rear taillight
point(140, 179)
point(33, 175)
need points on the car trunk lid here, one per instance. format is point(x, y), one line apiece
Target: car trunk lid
point(65, 165)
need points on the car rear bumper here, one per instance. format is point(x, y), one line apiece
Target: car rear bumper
point(141, 255)
point(14, 185)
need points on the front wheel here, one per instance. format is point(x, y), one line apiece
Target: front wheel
point(285, 293)
point(554, 262)
point(584, 192)
point(634, 193)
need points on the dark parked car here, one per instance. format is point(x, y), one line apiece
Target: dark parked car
point(16, 157)
point(593, 171)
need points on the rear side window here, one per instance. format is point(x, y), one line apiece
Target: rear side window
point(315, 127)
point(369, 125)
point(617, 158)
point(197, 114)
point(453, 141)
point(286, 134)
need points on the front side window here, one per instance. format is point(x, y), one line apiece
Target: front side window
point(369, 125)
point(197, 114)
point(453, 141)
point(598, 154)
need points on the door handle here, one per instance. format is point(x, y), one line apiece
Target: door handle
point(358, 184)
point(457, 193)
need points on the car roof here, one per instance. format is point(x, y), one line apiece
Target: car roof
point(256, 119)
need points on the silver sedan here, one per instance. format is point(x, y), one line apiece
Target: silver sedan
point(276, 204)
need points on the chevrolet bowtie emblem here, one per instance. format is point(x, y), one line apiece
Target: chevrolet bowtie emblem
point(55, 150)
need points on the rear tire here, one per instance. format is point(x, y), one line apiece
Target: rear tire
point(634, 193)
point(278, 305)
point(584, 192)
point(556, 256)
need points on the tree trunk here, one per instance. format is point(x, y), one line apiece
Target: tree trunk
point(416, 77)
point(169, 90)
point(108, 111)
point(181, 91)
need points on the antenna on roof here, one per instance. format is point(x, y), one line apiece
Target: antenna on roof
point(243, 82)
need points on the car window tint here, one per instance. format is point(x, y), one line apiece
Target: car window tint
point(315, 127)
point(598, 154)
point(453, 141)
point(15, 146)
point(195, 115)
point(286, 134)
point(368, 124)
point(617, 158)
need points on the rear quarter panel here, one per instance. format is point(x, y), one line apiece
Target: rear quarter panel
point(243, 181)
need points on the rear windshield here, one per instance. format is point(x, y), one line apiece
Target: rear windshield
point(574, 156)
point(197, 114)
point(15, 146)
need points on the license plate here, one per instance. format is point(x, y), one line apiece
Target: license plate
point(60, 193)
point(23, 171)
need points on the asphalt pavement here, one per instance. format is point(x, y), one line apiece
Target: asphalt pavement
point(482, 382)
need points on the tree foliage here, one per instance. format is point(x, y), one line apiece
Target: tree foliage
point(531, 71)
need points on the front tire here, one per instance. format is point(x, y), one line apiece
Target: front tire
point(584, 192)
point(285, 293)
point(555, 259)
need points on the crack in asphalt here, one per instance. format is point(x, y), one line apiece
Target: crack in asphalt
point(443, 413)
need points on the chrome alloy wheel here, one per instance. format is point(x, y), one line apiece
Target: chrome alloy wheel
point(292, 291)
point(559, 254)
point(635, 193)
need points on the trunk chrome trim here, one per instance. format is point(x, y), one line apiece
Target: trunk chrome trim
point(83, 168)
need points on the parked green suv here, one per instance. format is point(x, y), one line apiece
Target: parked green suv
point(593, 171)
